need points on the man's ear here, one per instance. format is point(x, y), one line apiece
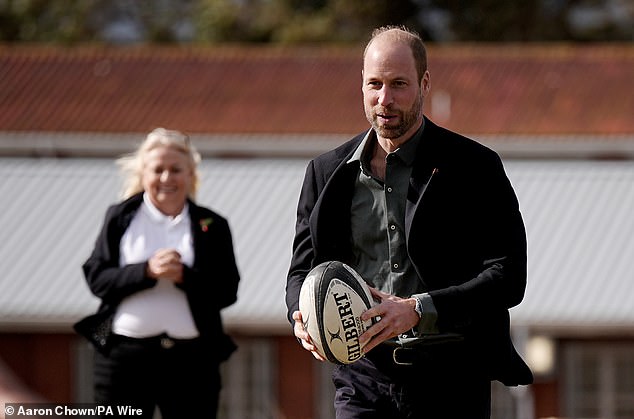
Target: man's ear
point(425, 84)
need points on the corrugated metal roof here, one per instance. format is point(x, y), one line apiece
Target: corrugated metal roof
point(580, 228)
point(578, 216)
point(53, 208)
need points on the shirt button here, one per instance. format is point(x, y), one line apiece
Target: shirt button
point(392, 227)
point(395, 266)
point(389, 189)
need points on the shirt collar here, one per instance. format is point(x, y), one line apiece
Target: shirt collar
point(356, 156)
point(406, 152)
point(157, 216)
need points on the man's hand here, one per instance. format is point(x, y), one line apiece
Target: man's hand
point(303, 336)
point(397, 315)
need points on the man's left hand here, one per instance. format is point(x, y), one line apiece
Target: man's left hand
point(397, 315)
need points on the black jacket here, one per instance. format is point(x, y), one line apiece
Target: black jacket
point(211, 284)
point(464, 231)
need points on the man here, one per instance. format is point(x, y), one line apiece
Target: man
point(430, 220)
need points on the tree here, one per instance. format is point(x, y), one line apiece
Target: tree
point(309, 21)
point(297, 21)
point(43, 21)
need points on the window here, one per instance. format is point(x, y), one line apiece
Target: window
point(599, 380)
point(249, 382)
point(503, 405)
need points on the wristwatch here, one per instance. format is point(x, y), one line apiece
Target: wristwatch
point(419, 307)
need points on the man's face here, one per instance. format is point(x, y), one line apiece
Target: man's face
point(392, 94)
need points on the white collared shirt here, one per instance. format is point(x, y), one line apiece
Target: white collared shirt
point(164, 307)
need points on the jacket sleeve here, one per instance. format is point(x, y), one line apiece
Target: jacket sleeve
point(303, 252)
point(105, 278)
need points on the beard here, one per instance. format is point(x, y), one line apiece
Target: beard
point(408, 119)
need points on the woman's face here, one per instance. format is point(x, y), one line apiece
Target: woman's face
point(167, 179)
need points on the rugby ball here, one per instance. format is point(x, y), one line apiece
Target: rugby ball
point(331, 301)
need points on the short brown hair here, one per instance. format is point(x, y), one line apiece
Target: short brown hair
point(411, 38)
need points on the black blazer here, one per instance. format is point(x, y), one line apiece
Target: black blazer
point(465, 238)
point(210, 284)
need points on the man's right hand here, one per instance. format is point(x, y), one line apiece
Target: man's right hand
point(304, 337)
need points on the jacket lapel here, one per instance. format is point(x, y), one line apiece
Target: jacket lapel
point(426, 169)
point(330, 219)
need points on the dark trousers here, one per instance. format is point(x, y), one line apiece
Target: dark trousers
point(176, 376)
point(434, 387)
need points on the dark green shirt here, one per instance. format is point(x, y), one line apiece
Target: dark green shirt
point(378, 220)
point(378, 225)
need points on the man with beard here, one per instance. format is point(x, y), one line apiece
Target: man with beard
point(431, 222)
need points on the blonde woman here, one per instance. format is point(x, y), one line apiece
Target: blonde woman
point(163, 268)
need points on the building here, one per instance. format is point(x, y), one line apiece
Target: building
point(559, 115)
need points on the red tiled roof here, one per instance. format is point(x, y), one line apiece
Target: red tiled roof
point(502, 89)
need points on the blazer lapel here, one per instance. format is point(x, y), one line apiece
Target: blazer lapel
point(426, 169)
point(330, 218)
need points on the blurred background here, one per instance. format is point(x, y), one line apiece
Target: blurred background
point(300, 21)
point(263, 86)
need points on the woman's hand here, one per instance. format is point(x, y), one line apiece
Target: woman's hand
point(165, 264)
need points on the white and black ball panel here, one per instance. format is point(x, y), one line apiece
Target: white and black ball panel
point(332, 299)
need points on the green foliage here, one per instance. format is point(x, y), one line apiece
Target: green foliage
point(45, 21)
point(310, 21)
point(297, 21)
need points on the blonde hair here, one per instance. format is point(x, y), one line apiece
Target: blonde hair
point(131, 165)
